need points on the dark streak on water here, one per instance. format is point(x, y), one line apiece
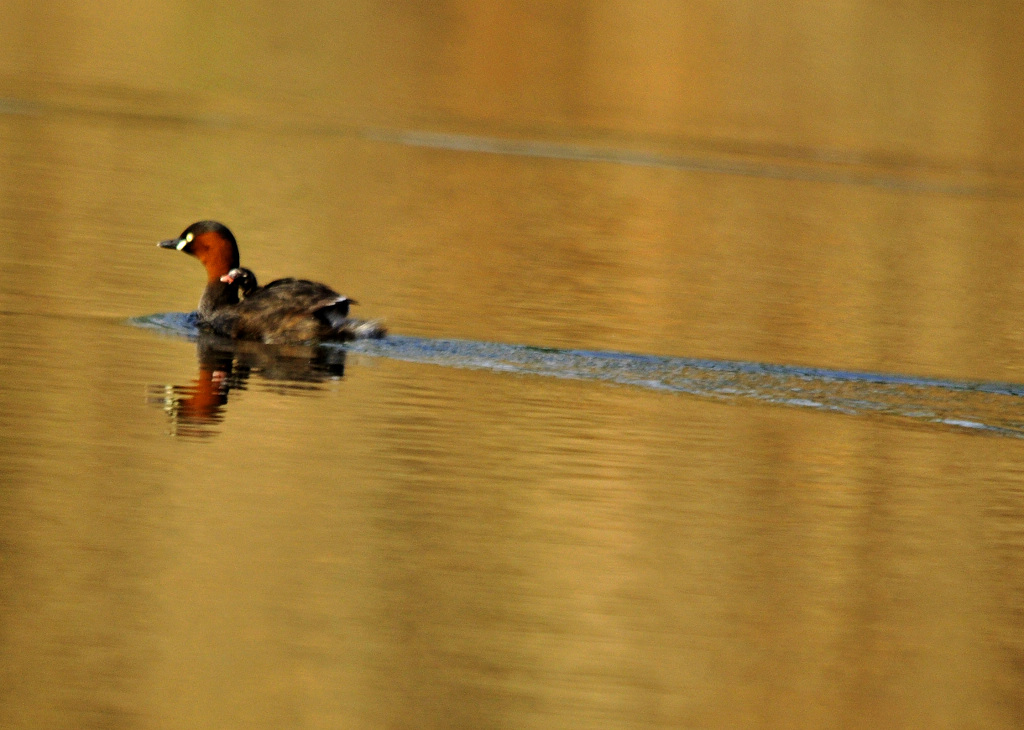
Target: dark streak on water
point(993, 408)
point(809, 165)
point(820, 170)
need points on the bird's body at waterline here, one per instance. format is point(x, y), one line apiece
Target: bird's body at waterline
point(284, 311)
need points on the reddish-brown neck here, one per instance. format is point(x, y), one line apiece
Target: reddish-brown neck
point(216, 253)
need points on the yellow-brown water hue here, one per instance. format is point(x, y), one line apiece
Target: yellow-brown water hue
point(418, 546)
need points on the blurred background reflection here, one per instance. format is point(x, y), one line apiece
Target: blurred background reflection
point(366, 542)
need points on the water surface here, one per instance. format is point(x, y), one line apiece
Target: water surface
point(702, 408)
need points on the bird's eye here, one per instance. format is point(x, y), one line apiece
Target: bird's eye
point(186, 240)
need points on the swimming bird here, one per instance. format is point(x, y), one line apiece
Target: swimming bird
point(284, 311)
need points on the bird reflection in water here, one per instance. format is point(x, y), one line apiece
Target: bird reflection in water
point(195, 410)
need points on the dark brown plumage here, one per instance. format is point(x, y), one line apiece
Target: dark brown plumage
point(289, 311)
point(284, 311)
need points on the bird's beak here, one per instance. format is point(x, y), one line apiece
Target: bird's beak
point(178, 243)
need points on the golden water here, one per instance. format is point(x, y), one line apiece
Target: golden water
point(412, 545)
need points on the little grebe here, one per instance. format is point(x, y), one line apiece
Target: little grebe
point(290, 310)
point(283, 311)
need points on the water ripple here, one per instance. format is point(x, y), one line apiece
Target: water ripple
point(823, 169)
point(989, 407)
